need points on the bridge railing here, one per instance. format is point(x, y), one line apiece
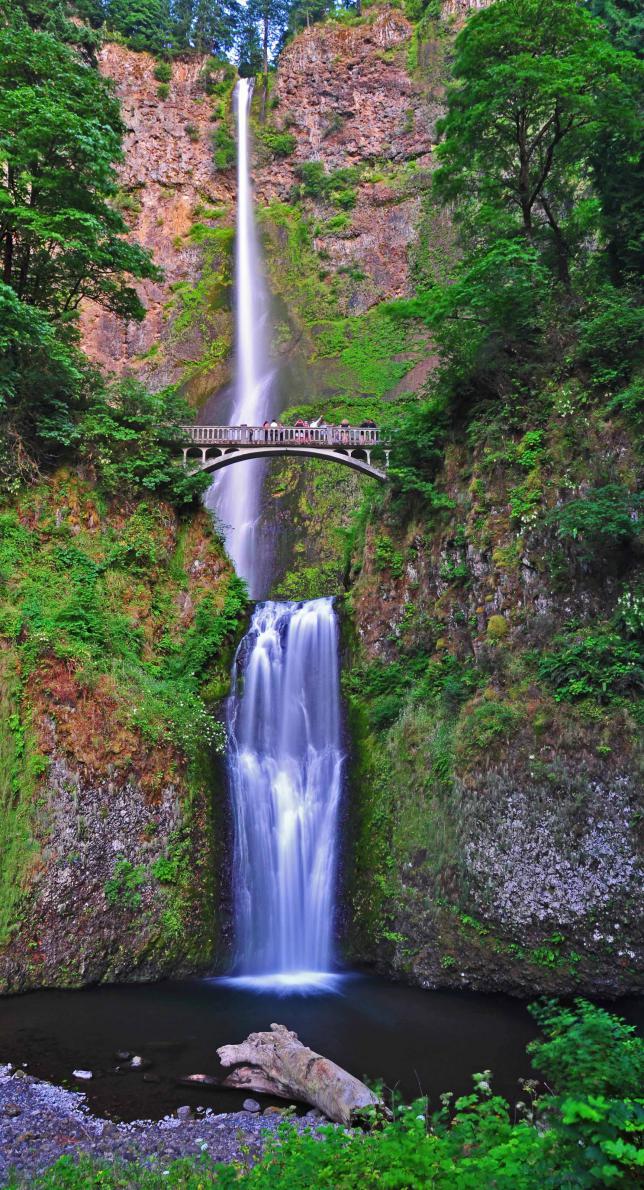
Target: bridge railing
point(354, 436)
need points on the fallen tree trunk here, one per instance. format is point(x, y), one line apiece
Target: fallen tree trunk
point(277, 1063)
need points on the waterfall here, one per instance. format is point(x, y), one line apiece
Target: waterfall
point(285, 764)
point(284, 758)
point(235, 495)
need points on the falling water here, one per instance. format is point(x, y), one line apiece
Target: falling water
point(285, 763)
point(235, 495)
point(284, 754)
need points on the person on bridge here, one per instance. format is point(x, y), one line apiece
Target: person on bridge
point(266, 427)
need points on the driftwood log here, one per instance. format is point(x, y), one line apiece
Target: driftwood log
point(277, 1063)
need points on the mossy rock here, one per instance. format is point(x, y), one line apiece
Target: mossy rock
point(497, 628)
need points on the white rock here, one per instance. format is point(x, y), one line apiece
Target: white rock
point(82, 1074)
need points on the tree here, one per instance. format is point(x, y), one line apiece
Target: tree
point(60, 133)
point(249, 49)
point(53, 17)
point(61, 239)
point(537, 83)
point(144, 23)
point(624, 20)
point(271, 16)
point(207, 26)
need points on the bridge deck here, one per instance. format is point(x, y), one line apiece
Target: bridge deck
point(330, 436)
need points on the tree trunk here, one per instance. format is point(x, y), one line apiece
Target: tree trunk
point(277, 1063)
point(265, 68)
point(561, 248)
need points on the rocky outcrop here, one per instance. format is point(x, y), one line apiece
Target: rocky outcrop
point(347, 97)
point(111, 805)
point(167, 179)
point(512, 808)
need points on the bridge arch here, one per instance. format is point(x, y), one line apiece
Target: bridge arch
point(345, 455)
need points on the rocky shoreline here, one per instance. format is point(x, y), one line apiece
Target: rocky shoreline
point(39, 1122)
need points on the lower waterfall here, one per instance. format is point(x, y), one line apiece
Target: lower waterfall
point(285, 763)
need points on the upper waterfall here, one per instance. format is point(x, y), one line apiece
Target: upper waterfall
point(235, 496)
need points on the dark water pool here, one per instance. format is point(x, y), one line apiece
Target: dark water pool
point(418, 1041)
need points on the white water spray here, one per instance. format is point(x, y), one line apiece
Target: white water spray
point(235, 495)
point(285, 764)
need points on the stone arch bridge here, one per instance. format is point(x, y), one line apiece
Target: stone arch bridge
point(220, 446)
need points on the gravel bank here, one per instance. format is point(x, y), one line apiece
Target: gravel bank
point(40, 1121)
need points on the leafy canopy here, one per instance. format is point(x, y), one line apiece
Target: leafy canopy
point(536, 82)
point(60, 135)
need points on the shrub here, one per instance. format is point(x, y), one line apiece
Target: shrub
point(192, 132)
point(387, 558)
point(163, 90)
point(163, 72)
point(225, 149)
point(594, 663)
point(595, 1063)
point(484, 724)
point(602, 522)
point(280, 144)
point(497, 628)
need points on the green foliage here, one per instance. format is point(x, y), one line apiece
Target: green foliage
point(595, 1063)
point(18, 779)
point(337, 187)
point(123, 887)
point(145, 24)
point(600, 524)
point(60, 132)
point(134, 437)
point(484, 724)
point(310, 582)
point(225, 147)
point(593, 663)
point(388, 558)
point(163, 72)
point(280, 144)
point(384, 689)
point(524, 114)
point(610, 336)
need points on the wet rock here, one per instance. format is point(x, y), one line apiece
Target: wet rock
point(272, 1110)
point(123, 1055)
point(251, 1105)
point(83, 1074)
point(11, 1110)
point(199, 1080)
point(184, 1113)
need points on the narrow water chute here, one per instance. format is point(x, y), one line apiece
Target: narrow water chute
point(235, 494)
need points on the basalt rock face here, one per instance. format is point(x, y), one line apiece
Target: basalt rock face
point(346, 95)
point(167, 176)
point(111, 806)
point(509, 807)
